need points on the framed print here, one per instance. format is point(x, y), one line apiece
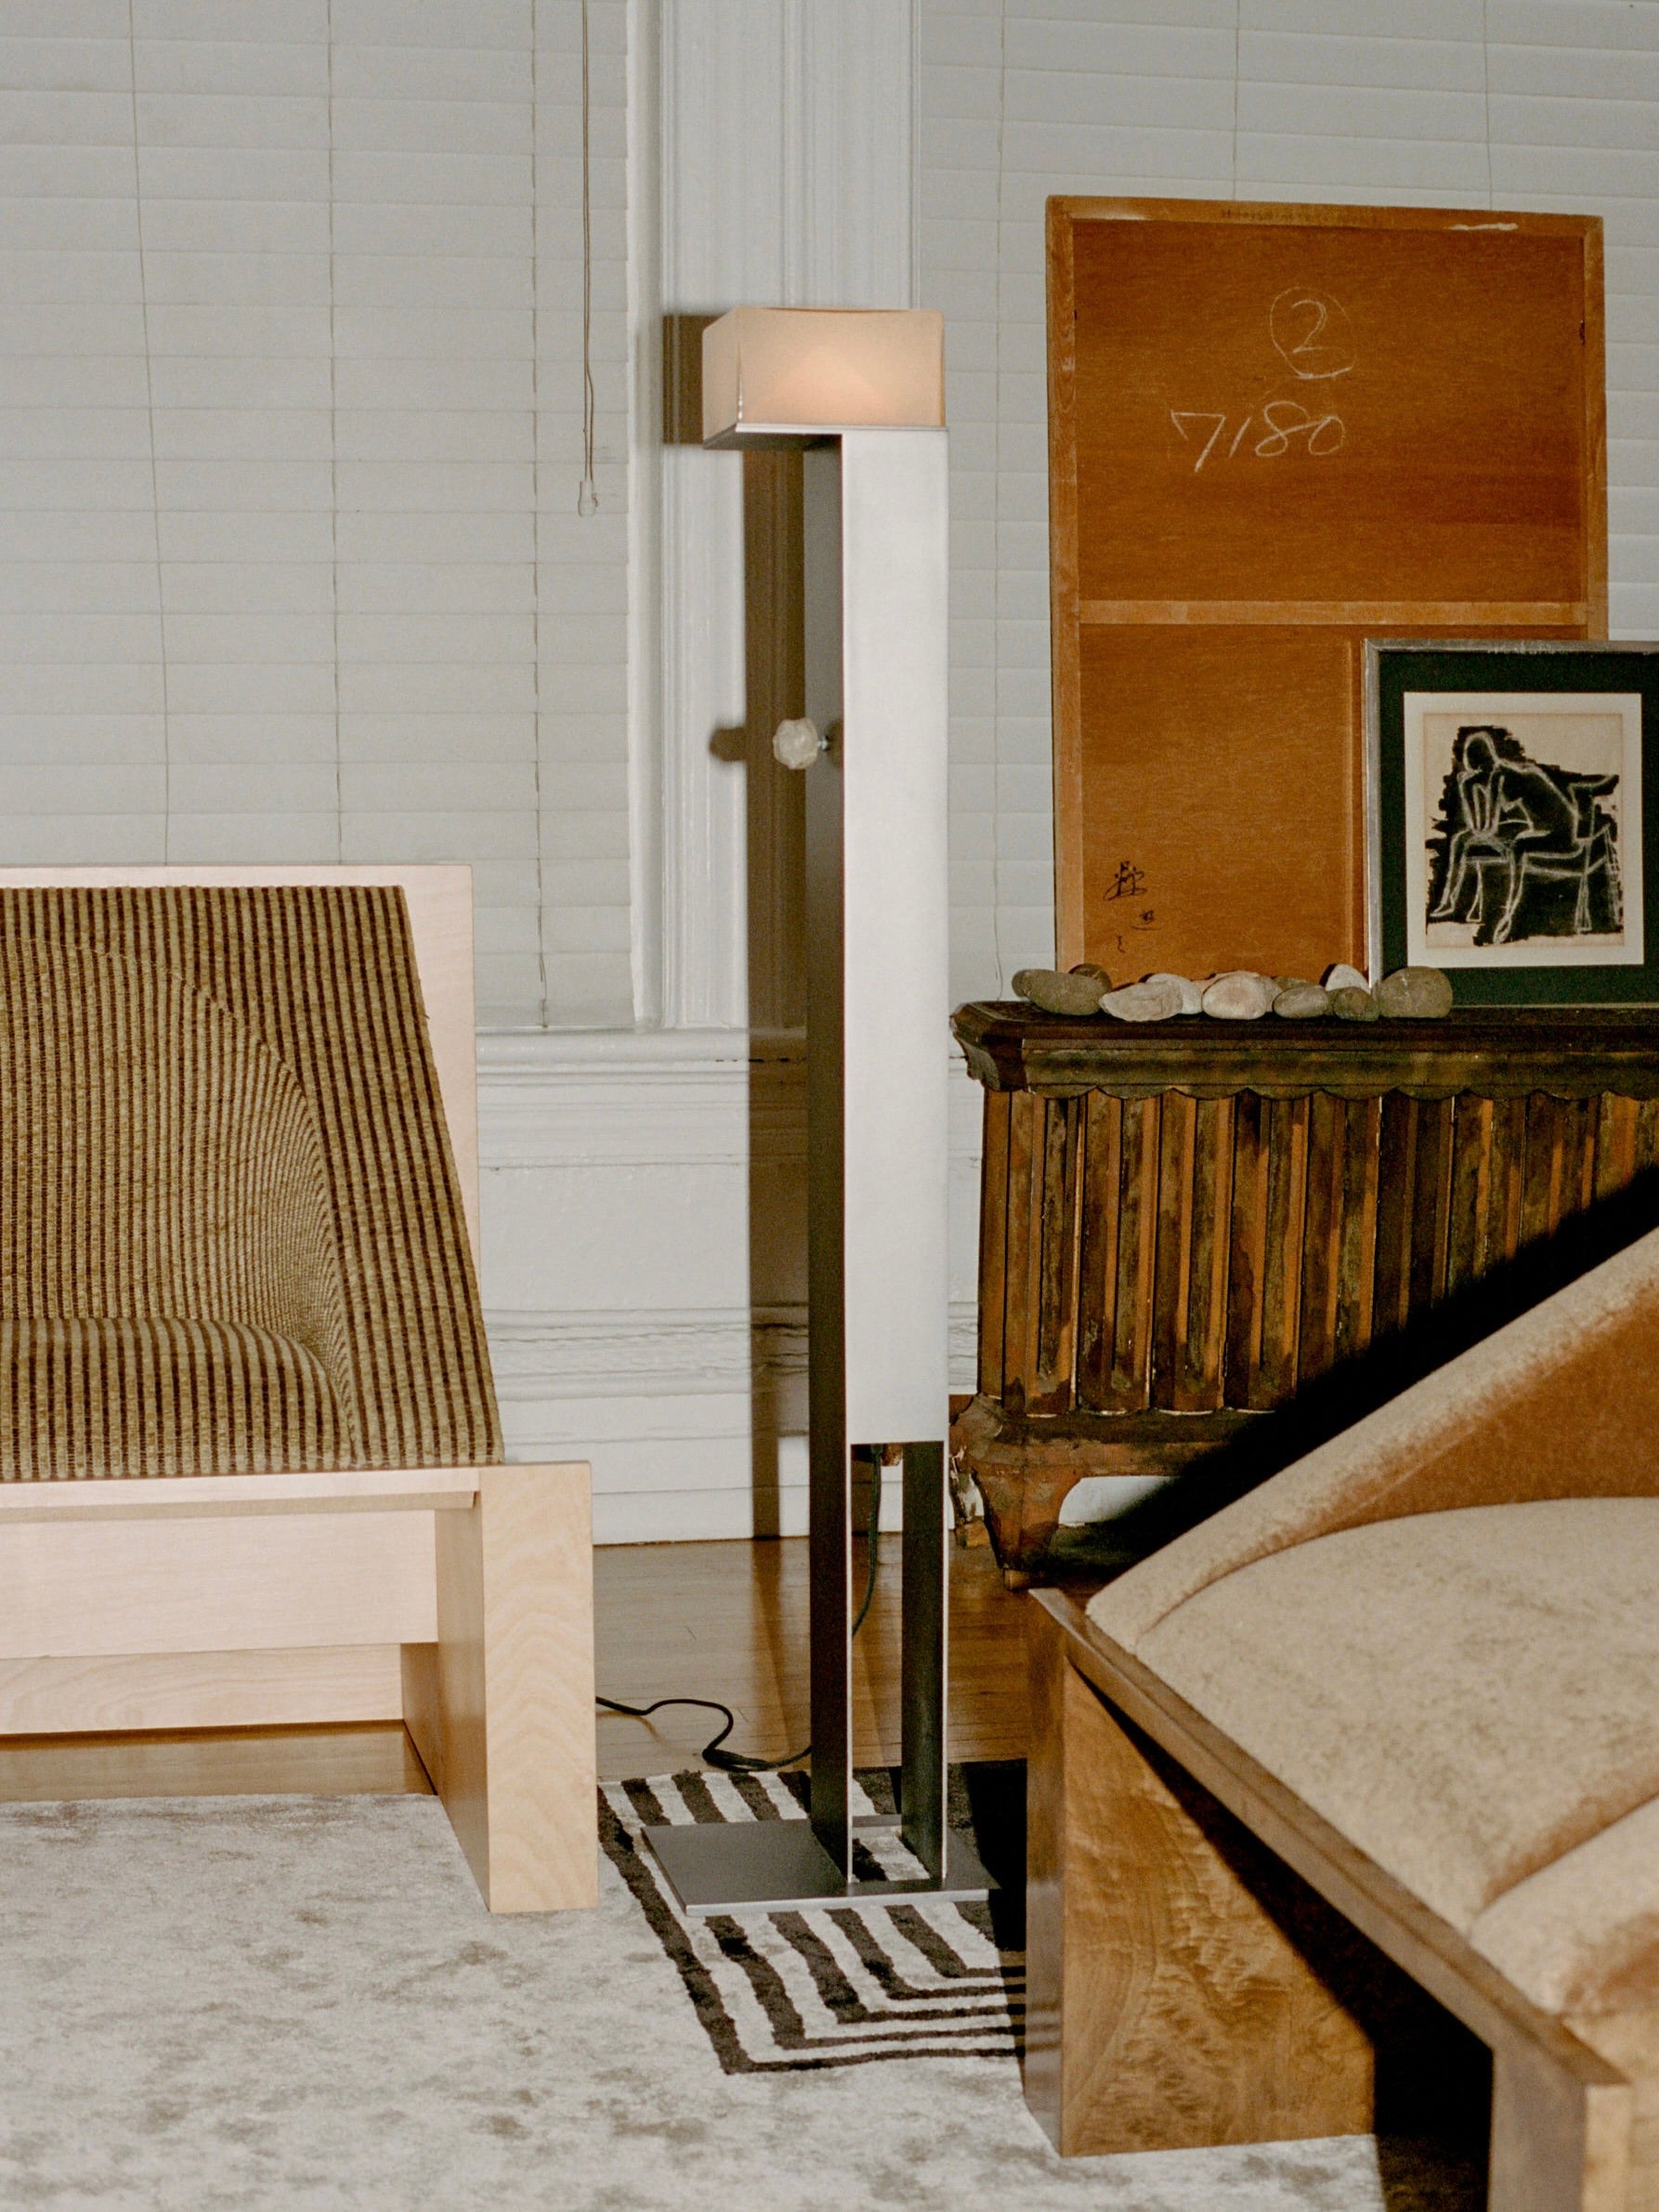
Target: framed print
point(1512, 816)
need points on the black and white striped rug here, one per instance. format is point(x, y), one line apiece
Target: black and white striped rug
point(841, 1986)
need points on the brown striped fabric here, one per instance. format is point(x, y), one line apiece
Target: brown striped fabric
point(163, 1397)
point(231, 1238)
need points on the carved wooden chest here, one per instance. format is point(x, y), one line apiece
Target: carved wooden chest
point(1184, 1224)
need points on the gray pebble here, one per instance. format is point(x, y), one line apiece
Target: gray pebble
point(1156, 999)
point(1240, 996)
point(1055, 992)
point(1414, 994)
point(1343, 977)
point(1351, 1003)
point(1303, 1002)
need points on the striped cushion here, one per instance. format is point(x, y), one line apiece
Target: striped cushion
point(223, 1157)
point(163, 1397)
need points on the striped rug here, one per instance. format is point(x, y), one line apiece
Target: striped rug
point(841, 1986)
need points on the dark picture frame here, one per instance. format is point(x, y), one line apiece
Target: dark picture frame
point(1512, 817)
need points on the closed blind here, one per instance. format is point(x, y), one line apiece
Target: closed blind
point(290, 325)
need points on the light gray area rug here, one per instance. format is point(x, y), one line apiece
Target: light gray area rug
point(301, 2001)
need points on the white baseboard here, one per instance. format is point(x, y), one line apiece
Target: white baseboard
point(644, 1204)
point(695, 1422)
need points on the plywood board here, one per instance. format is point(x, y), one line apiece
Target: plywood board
point(1274, 432)
point(236, 1582)
point(134, 1690)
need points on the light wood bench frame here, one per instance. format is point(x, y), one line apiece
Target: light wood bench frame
point(1167, 2008)
point(457, 1600)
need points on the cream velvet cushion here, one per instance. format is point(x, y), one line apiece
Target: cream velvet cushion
point(1562, 1402)
point(1468, 1696)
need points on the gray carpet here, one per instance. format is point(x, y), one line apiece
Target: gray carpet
point(281, 2001)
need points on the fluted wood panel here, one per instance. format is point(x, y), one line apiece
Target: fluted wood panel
point(1195, 1255)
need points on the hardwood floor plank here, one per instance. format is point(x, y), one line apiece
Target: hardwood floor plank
point(728, 1621)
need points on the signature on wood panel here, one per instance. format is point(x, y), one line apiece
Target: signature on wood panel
point(1129, 881)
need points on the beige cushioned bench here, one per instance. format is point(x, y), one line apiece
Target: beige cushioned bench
point(1422, 1665)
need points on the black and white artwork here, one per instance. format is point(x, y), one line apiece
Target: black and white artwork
point(1523, 828)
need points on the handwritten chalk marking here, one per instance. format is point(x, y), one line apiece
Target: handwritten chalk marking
point(1195, 416)
point(1328, 423)
point(1311, 334)
point(1285, 419)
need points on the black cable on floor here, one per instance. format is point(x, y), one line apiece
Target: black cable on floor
point(740, 1762)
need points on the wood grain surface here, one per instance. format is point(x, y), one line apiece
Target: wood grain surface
point(1276, 431)
point(1186, 1257)
point(200, 1690)
point(371, 1759)
point(102, 1589)
point(730, 1622)
point(504, 1715)
point(1630, 2042)
point(1496, 1052)
point(1558, 2143)
point(1167, 2007)
point(725, 1620)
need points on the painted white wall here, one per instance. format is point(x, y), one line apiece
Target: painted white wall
point(290, 566)
point(643, 1261)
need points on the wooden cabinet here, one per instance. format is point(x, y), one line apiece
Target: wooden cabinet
point(1184, 1225)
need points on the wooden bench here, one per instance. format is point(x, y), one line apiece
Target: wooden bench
point(455, 1598)
point(1167, 2007)
point(1406, 1687)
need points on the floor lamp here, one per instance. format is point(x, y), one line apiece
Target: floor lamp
point(862, 394)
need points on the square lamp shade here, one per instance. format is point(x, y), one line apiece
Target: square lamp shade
point(772, 375)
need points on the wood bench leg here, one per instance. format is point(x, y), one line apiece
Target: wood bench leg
point(501, 1706)
point(1559, 2143)
point(1167, 2007)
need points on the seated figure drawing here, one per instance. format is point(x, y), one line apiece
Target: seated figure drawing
point(1521, 849)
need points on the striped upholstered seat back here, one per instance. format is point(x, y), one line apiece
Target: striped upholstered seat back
point(230, 1232)
point(171, 1296)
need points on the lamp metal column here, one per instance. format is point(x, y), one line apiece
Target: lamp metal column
point(876, 514)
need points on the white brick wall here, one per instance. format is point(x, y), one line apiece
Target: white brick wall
point(1524, 103)
point(290, 436)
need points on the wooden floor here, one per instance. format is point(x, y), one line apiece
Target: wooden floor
point(730, 1622)
point(726, 1621)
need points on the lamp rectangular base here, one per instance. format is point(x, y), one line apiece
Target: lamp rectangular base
point(780, 1866)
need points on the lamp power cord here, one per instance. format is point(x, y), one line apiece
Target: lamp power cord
point(741, 1762)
